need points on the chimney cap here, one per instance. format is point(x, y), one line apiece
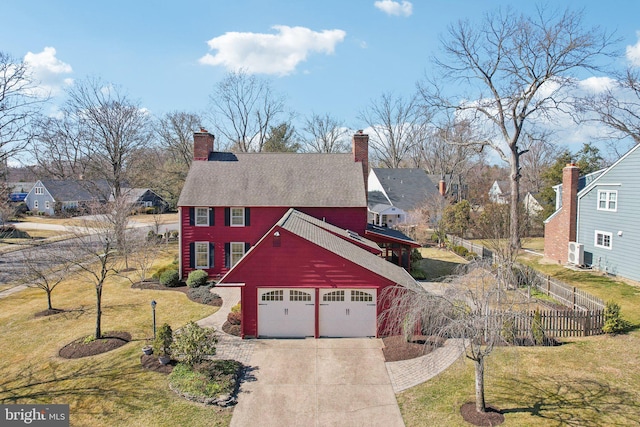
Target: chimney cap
point(203, 130)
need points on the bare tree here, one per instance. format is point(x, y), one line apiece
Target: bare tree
point(397, 126)
point(473, 310)
point(114, 127)
point(146, 248)
point(95, 257)
point(517, 70)
point(325, 134)
point(445, 152)
point(540, 155)
point(60, 148)
point(19, 105)
point(618, 107)
point(243, 109)
point(175, 134)
point(45, 269)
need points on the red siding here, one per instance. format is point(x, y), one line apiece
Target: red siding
point(261, 220)
point(295, 263)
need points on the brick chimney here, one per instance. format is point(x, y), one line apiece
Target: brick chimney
point(202, 144)
point(361, 154)
point(442, 187)
point(561, 229)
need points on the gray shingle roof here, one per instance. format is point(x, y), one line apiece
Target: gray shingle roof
point(81, 191)
point(307, 227)
point(275, 179)
point(407, 188)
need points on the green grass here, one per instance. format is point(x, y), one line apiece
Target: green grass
point(111, 389)
point(438, 263)
point(540, 386)
point(601, 286)
point(211, 379)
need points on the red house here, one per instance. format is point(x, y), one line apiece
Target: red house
point(288, 228)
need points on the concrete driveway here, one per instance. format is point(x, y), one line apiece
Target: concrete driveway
point(317, 382)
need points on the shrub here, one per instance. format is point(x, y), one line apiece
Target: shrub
point(164, 340)
point(197, 278)
point(460, 250)
point(415, 255)
point(613, 321)
point(508, 332)
point(202, 294)
point(159, 271)
point(236, 308)
point(234, 318)
point(418, 274)
point(536, 329)
point(170, 278)
point(193, 343)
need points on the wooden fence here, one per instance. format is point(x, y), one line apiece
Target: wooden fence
point(554, 323)
point(565, 294)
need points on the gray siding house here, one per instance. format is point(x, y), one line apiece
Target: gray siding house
point(603, 219)
point(607, 222)
point(52, 196)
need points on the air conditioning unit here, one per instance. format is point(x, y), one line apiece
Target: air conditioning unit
point(576, 253)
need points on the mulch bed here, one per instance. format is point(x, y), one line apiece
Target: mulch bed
point(231, 329)
point(48, 312)
point(151, 363)
point(492, 417)
point(397, 348)
point(109, 341)
point(156, 286)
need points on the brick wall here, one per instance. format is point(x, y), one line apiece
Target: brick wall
point(561, 229)
point(202, 145)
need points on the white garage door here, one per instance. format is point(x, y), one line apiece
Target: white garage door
point(347, 313)
point(286, 313)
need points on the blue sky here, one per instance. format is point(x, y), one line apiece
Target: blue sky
point(325, 56)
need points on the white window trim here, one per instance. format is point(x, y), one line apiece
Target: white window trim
point(39, 190)
point(232, 252)
point(603, 233)
point(231, 217)
point(46, 204)
point(196, 217)
point(607, 200)
point(35, 204)
point(195, 250)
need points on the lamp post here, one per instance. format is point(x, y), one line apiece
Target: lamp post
point(153, 309)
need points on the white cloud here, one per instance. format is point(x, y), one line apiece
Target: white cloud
point(278, 53)
point(391, 7)
point(597, 84)
point(48, 71)
point(633, 52)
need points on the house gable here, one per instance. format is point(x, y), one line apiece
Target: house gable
point(607, 223)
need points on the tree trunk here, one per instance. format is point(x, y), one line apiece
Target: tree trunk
point(514, 226)
point(49, 306)
point(480, 405)
point(98, 334)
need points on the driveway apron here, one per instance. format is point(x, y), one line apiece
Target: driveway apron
point(317, 382)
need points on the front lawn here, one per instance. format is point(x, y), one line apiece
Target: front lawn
point(590, 381)
point(438, 263)
point(109, 389)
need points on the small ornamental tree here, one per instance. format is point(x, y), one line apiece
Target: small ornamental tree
point(193, 343)
point(613, 321)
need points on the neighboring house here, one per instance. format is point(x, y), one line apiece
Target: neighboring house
point(531, 205)
point(291, 231)
point(18, 190)
point(145, 198)
point(451, 187)
point(52, 196)
point(597, 226)
point(500, 192)
point(395, 193)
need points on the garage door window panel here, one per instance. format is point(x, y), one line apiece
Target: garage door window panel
point(277, 295)
point(335, 296)
point(360, 296)
point(295, 295)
